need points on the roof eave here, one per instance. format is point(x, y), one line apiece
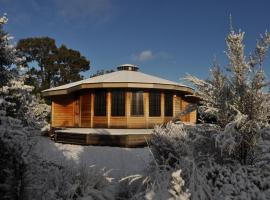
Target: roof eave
point(46, 93)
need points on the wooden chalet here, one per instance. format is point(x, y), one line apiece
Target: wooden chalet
point(124, 99)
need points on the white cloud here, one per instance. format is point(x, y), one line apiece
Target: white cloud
point(147, 55)
point(97, 11)
point(144, 55)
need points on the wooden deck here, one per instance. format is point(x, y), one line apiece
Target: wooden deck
point(103, 137)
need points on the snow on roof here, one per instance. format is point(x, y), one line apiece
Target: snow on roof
point(123, 76)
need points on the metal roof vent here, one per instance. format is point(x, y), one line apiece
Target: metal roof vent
point(127, 67)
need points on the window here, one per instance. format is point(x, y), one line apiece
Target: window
point(118, 103)
point(168, 104)
point(100, 103)
point(154, 104)
point(137, 103)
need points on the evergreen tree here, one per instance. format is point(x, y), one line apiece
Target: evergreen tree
point(69, 63)
point(7, 53)
point(54, 66)
point(101, 72)
point(237, 99)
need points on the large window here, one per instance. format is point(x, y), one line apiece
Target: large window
point(100, 103)
point(137, 103)
point(154, 104)
point(168, 104)
point(118, 103)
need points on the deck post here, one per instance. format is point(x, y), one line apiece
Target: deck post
point(92, 109)
point(52, 114)
point(128, 106)
point(146, 108)
point(108, 108)
point(162, 102)
point(174, 105)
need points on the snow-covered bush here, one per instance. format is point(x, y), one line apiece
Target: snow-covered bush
point(238, 182)
point(229, 159)
point(208, 172)
point(25, 175)
point(15, 146)
point(19, 102)
point(7, 53)
point(237, 99)
point(155, 184)
point(52, 182)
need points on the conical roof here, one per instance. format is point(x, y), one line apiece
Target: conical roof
point(118, 79)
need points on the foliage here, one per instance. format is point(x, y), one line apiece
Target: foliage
point(7, 53)
point(53, 182)
point(156, 183)
point(228, 159)
point(15, 144)
point(101, 72)
point(209, 174)
point(20, 104)
point(23, 173)
point(55, 66)
point(224, 95)
point(237, 99)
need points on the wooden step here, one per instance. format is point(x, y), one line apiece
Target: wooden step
point(132, 140)
point(70, 138)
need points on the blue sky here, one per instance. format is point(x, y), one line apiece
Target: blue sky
point(165, 38)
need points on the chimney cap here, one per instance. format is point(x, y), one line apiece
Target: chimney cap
point(127, 67)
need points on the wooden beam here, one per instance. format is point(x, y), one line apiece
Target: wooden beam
point(52, 113)
point(92, 109)
point(162, 103)
point(108, 102)
point(128, 103)
point(80, 109)
point(146, 107)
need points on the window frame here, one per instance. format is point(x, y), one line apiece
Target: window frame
point(140, 106)
point(118, 103)
point(166, 103)
point(98, 111)
point(154, 104)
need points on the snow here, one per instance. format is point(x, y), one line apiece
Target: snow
point(104, 131)
point(121, 162)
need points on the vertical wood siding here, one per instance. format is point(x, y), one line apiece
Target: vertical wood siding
point(184, 105)
point(64, 108)
point(63, 111)
point(86, 110)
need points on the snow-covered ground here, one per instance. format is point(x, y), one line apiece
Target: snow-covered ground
point(120, 161)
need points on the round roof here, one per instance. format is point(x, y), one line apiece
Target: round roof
point(124, 78)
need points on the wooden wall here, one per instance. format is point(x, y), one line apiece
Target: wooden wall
point(85, 106)
point(64, 110)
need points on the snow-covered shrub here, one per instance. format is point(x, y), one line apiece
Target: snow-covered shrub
point(261, 157)
point(7, 53)
point(26, 175)
point(156, 184)
point(21, 104)
point(53, 182)
point(240, 90)
point(238, 182)
point(208, 172)
point(15, 146)
point(237, 99)
point(183, 146)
